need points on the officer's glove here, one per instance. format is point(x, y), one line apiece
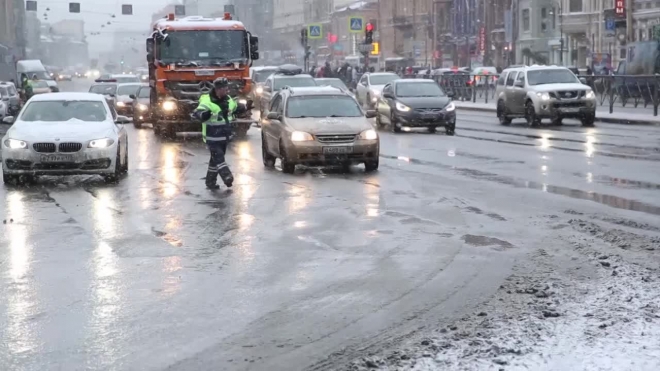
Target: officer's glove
point(202, 115)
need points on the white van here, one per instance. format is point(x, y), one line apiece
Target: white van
point(33, 67)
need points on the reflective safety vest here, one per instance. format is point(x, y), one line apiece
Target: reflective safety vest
point(216, 128)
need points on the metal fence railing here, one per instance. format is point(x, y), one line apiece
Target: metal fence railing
point(636, 91)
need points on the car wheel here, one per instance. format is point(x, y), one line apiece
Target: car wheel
point(137, 124)
point(114, 177)
point(557, 121)
point(269, 160)
point(157, 130)
point(431, 129)
point(10, 178)
point(288, 167)
point(371, 166)
point(450, 130)
point(501, 114)
point(124, 168)
point(379, 124)
point(395, 129)
point(530, 115)
point(588, 121)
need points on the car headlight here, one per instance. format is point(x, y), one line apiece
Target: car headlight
point(260, 90)
point(121, 104)
point(301, 136)
point(101, 143)
point(15, 144)
point(375, 92)
point(61, 77)
point(370, 134)
point(402, 107)
point(450, 107)
point(169, 105)
point(543, 96)
point(590, 94)
point(142, 107)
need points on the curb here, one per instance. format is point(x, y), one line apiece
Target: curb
point(607, 120)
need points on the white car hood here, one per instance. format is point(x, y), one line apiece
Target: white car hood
point(559, 87)
point(72, 130)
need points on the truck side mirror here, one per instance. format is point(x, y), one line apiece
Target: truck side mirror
point(150, 50)
point(254, 47)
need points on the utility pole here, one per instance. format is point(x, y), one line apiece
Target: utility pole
point(304, 41)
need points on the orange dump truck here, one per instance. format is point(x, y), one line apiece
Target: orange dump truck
point(185, 55)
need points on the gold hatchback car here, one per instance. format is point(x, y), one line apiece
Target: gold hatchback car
point(318, 126)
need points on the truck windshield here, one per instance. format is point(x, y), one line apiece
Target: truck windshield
point(216, 47)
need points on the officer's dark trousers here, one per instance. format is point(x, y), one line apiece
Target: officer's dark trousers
point(217, 164)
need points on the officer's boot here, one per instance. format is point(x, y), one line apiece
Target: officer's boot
point(226, 175)
point(211, 180)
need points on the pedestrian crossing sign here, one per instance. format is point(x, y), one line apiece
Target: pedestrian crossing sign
point(356, 24)
point(315, 31)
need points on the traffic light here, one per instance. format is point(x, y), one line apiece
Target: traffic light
point(308, 51)
point(127, 9)
point(74, 7)
point(369, 33)
point(303, 37)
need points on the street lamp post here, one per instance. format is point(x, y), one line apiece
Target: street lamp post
point(561, 34)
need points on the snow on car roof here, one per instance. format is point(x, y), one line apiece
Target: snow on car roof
point(68, 96)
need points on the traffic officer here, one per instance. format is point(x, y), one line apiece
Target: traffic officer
point(216, 111)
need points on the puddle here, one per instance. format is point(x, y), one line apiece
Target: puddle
point(608, 200)
point(619, 182)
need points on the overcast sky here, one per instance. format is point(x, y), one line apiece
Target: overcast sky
point(98, 12)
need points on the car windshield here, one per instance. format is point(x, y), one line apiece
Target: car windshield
point(105, 89)
point(261, 76)
point(322, 106)
point(40, 84)
point(144, 93)
point(294, 82)
point(127, 89)
point(64, 110)
point(382, 79)
point(413, 89)
point(41, 75)
point(558, 76)
point(125, 79)
point(208, 47)
point(335, 83)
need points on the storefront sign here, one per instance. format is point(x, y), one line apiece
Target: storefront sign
point(482, 41)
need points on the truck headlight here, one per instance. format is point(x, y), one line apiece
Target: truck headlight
point(260, 90)
point(543, 96)
point(370, 134)
point(301, 136)
point(169, 105)
point(590, 94)
point(15, 144)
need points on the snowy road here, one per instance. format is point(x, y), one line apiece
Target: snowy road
point(305, 271)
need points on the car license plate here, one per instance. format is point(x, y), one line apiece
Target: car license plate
point(56, 158)
point(429, 116)
point(337, 150)
point(571, 109)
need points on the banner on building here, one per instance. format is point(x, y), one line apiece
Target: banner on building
point(620, 8)
point(482, 41)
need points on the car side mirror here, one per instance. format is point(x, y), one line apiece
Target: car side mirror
point(9, 120)
point(273, 116)
point(132, 96)
point(254, 48)
point(370, 114)
point(122, 120)
point(111, 95)
point(583, 80)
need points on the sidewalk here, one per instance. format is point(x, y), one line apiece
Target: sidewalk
point(621, 115)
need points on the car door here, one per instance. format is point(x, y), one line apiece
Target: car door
point(519, 93)
point(384, 105)
point(509, 92)
point(271, 128)
point(362, 88)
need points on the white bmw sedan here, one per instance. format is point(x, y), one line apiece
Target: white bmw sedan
point(65, 134)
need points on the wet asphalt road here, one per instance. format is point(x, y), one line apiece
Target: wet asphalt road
point(290, 272)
